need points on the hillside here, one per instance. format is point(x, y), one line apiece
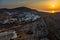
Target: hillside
point(30, 24)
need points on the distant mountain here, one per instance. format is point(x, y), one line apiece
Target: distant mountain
point(23, 9)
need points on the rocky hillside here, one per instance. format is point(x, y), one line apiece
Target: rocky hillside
point(30, 24)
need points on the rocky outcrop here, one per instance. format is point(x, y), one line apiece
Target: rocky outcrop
point(20, 18)
point(34, 31)
point(8, 35)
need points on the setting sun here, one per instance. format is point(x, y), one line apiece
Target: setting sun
point(53, 5)
point(52, 11)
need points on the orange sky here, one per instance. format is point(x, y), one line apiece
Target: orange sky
point(46, 5)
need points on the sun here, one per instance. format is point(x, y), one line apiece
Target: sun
point(52, 11)
point(53, 5)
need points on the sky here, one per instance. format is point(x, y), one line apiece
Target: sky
point(46, 5)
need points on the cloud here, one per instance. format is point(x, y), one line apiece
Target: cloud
point(12, 1)
point(18, 1)
point(8, 3)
